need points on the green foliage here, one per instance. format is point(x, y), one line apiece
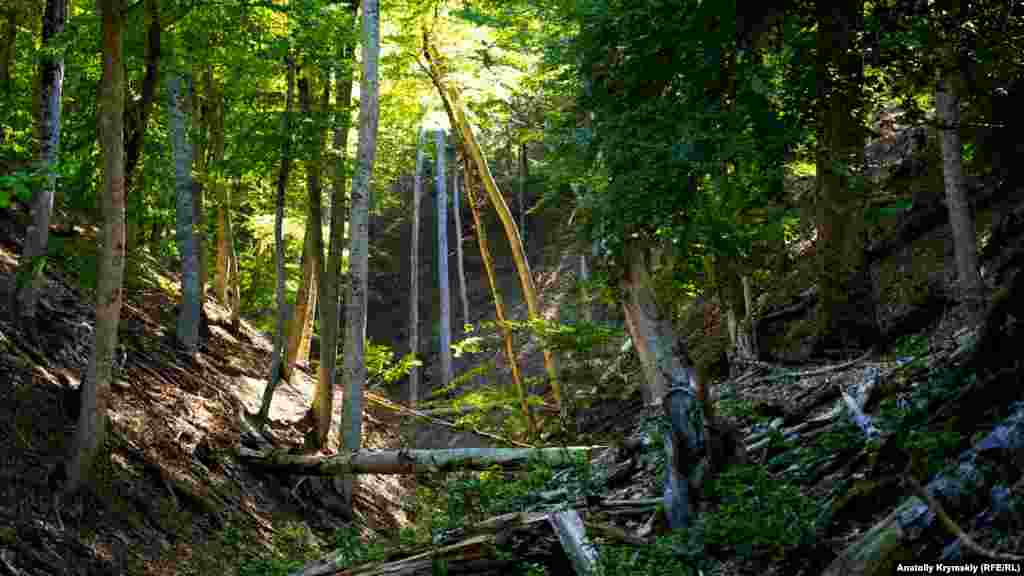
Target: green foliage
point(350, 549)
point(381, 367)
point(18, 185)
point(758, 514)
point(670, 555)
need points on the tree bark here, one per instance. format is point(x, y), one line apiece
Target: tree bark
point(330, 296)
point(201, 166)
point(499, 306)
point(846, 313)
point(458, 119)
point(961, 220)
point(137, 134)
point(305, 305)
point(444, 288)
point(524, 175)
point(362, 182)
point(459, 253)
point(178, 108)
point(51, 82)
point(282, 185)
point(414, 267)
point(409, 461)
point(92, 415)
point(226, 277)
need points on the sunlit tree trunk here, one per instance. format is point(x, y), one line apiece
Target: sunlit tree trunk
point(947, 109)
point(459, 259)
point(330, 305)
point(91, 428)
point(457, 116)
point(499, 306)
point(442, 263)
point(178, 108)
point(282, 185)
point(304, 313)
point(414, 268)
point(362, 182)
point(225, 279)
point(51, 83)
point(235, 283)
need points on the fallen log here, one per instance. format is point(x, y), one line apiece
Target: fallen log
point(408, 461)
point(883, 546)
point(573, 535)
point(471, 551)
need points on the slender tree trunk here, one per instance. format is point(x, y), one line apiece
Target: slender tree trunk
point(201, 166)
point(91, 429)
point(442, 264)
point(460, 260)
point(282, 185)
point(845, 306)
point(414, 267)
point(965, 241)
point(499, 306)
point(302, 311)
point(450, 97)
point(362, 182)
point(30, 276)
point(587, 310)
point(330, 305)
point(235, 284)
point(178, 105)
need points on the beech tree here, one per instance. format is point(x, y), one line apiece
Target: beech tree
point(90, 431)
point(178, 108)
point(362, 182)
point(445, 337)
point(51, 81)
point(414, 267)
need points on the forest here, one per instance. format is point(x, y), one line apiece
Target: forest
point(531, 287)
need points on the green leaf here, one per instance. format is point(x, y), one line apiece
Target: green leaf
point(5, 199)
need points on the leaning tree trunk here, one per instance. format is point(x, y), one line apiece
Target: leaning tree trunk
point(282, 185)
point(457, 117)
point(442, 265)
point(965, 240)
point(51, 83)
point(414, 267)
point(499, 306)
point(330, 305)
point(305, 304)
point(178, 105)
point(362, 182)
point(89, 434)
point(459, 256)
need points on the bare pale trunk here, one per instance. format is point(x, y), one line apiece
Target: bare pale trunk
point(444, 290)
point(362, 182)
point(91, 428)
point(51, 83)
point(414, 267)
point(587, 310)
point(459, 253)
point(499, 306)
point(449, 94)
point(178, 105)
point(282, 185)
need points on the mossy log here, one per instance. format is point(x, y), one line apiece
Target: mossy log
point(408, 461)
point(894, 539)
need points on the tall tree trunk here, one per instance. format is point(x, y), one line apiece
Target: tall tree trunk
point(201, 165)
point(586, 309)
point(91, 428)
point(499, 306)
point(414, 267)
point(459, 253)
point(330, 304)
point(282, 185)
point(301, 330)
point(235, 283)
point(456, 114)
point(442, 264)
point(845, 307)
point(51, 76)
point(178, 108)
point(947, 108)
point(224, 277)
point(362, 182)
